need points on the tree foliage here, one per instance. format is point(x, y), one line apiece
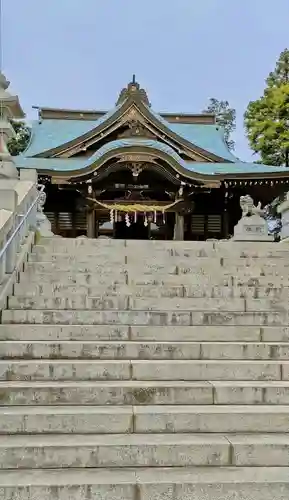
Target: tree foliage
point(267, 119)
point(20, 142)
point(225, 117)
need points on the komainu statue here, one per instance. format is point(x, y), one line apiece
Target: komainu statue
point(248, 208)
point(253, 225)
point(43, 225)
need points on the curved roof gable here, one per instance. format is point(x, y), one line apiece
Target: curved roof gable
point(73, 167)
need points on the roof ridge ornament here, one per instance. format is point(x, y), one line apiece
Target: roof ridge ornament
point(133, 91)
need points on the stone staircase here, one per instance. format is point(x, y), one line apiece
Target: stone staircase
point(135, 370)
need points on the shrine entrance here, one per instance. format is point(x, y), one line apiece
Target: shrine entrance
point(136, 231)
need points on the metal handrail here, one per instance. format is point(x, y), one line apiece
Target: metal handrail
point(23, 219)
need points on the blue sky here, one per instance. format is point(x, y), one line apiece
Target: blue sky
point(80, 53)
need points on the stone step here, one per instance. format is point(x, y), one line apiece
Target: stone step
point(159, 259)
point(102, 349)
point(73, 302)
point(252, 248)
point(125, 392)
point(46, 332)
point(86, 332)
point(139, 267)
point(56, 241)
point(146, 257)
point(78, 302)
point(209, 370)
point(75, 278)
point(253, 278)
point(119, 302)
point(196, 291)
point(250, 392)
point(172, 248)
point(69, 243)
point(143, 419)
point(143, 370)
point(143, 450)
point(66, 419)
point(211, 419)
point(202, 483)
point(120, 450)
point(146, 318)
point(130, 392)
point(117, 259)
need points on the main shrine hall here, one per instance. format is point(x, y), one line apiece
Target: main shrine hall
point(132, 172)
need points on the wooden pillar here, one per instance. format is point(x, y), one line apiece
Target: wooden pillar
point(90, 232)
point(179, 227)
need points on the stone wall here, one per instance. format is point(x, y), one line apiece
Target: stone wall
point(16, 197)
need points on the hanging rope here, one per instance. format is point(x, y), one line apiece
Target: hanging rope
point(136, 207)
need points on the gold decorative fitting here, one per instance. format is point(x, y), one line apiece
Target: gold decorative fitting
point(132, 115)
point(135, 158)
point(136, 168)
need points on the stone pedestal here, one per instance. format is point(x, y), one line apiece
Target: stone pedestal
point(252, 228)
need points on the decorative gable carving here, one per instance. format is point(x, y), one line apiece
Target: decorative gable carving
point(137, 129)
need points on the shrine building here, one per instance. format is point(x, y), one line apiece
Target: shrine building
point(134, 173)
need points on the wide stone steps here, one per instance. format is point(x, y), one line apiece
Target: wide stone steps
point(139, 269)
point(142, 419)
point(167, 483)
point(130, 349)
point(144, 317)
point(144, 392)
point(146, 370)
point(121, 369)
point(79, 302)
point(168, 333)
point(195, 248)
point(229, 278)
point(159, 262)
point(48, 290)
point(143, 450)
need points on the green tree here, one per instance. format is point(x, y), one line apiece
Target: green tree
point(225, 117)
point(20, 142)
point(267, 119)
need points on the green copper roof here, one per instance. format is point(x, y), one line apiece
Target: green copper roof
point(208, 137)
point(49, 134)
point(239, 167)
